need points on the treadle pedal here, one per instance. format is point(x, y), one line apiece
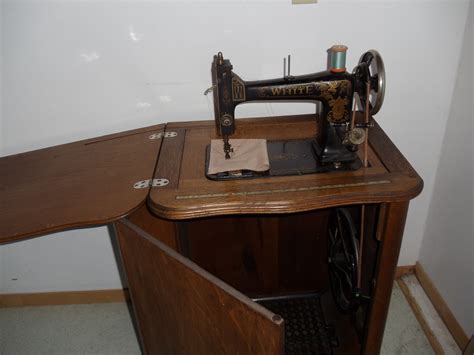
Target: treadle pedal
point(305, 329)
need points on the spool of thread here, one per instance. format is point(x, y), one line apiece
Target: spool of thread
point(337, 58)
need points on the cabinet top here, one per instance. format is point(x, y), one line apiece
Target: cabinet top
point(77, 184)
point(189, 194)
point(97, 181)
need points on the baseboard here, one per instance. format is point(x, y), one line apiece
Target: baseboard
point(404, 270)
point(437, 348)
point(63, 298)
point(441, 307)
point(95, 296)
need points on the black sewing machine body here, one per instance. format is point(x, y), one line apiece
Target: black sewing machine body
point(335, 148)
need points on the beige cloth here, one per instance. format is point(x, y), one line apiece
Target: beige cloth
point(248, 154)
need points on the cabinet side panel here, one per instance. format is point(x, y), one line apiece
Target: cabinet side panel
point(391, 224)
point(182, 309)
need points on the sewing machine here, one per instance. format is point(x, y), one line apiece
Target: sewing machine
point(240, 262)
point(335, 148)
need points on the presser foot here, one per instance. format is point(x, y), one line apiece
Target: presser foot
point(227, 147)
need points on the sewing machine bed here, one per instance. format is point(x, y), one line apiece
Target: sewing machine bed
point(190, 194)
point(287, 157)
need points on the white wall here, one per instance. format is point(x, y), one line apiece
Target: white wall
point(1, 130)
point(73, 70)
point(1, 84)
point(447, 251)
point(75, 260)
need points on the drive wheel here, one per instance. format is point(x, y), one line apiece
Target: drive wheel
point(343, 259)
point(371, 69)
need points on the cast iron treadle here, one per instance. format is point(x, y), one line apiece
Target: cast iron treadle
point(305, 329)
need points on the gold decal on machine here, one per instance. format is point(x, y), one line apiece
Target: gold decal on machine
point(292, 90)
point(238, 89)
point(338, 109)
point(338, 105)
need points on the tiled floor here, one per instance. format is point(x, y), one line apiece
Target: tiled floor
point(107, 329)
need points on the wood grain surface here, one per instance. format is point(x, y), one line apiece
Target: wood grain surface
point(392, 224)
point(77, 184)
point(182, 309)
point(389, 178)
point(262, 255)
point(164, 230)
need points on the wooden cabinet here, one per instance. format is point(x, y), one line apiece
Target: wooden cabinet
point(237, 267)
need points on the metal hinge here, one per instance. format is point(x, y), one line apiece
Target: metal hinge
point(160, 135)
point(143, 184)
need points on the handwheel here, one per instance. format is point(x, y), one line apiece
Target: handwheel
point(343, 260)
point(370, 69)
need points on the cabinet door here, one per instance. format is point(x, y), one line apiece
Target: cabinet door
point(182, 309)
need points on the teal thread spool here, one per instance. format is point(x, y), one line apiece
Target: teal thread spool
point(337, 58)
